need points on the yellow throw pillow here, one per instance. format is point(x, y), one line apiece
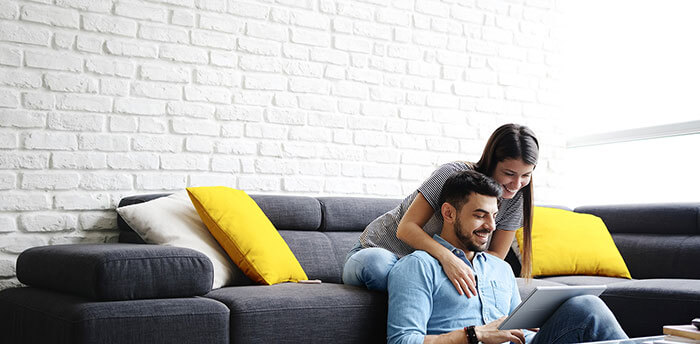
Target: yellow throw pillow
point(246, 234)
point(569, 243)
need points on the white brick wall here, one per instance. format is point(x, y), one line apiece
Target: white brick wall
point(100, 99)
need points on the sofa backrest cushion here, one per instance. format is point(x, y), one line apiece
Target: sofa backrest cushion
point(660, 255)
point(298, 213)
point(342, 214)
point(666, 218)
point(654, 238)
point(321, 254)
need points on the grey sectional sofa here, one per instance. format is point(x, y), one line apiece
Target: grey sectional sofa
point(129, 292)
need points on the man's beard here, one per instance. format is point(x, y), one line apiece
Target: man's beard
point(467, 240)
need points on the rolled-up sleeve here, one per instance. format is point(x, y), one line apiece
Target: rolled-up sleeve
point(410, 300)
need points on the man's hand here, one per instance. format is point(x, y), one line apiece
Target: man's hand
point(490, 334)
point(460, 274)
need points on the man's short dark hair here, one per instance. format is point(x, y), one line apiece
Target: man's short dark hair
point(460, 185)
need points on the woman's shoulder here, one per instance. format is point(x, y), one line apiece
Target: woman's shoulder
point(445, 171)
point(456, 166)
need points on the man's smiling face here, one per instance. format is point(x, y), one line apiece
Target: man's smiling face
point(476, 221)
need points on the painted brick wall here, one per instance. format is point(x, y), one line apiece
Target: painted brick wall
point(101, 99)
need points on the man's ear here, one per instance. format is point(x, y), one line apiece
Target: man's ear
point(449, 213)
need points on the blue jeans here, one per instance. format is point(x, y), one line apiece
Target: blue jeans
point(580, 319)
point(368, 267)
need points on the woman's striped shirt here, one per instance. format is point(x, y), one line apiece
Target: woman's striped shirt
point(382, 231)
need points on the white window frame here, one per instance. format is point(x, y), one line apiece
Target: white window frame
point(636, 134)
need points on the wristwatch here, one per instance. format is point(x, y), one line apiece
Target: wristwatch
point(471, 335)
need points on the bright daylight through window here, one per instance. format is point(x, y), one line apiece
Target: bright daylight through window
point(630, 73)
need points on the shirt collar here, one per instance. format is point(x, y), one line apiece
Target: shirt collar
point(457, 252)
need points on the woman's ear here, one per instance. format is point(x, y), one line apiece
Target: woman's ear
point(449, 213)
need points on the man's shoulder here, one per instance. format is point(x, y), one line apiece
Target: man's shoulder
point(417, 258)
point(419, 267)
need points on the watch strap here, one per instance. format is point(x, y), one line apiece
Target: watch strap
point(471, 335)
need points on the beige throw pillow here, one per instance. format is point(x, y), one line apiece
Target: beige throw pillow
point(173, 221)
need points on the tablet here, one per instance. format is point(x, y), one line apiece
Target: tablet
point(537, 307)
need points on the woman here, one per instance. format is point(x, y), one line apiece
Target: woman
point(509, 157)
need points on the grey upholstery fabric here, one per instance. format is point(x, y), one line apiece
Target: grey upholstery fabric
point(660, 255)
point(671, 218)
point(301, 313)
point(135, 199)
point(29, 315)
point(321, 254)
point(128, 236)
point(643, 307)
point(300, 213)
point(314, 251)
point(527, 286)
point(353, 214)
point(584, 280)
point(342, 243)
point(117, 271)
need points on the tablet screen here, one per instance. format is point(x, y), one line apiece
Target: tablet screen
point(542, 302)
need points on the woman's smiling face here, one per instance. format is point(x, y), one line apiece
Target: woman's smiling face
point(513, 175)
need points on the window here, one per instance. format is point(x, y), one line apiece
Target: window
point(630, 81)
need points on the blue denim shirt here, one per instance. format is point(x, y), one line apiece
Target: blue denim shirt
point(423, 301)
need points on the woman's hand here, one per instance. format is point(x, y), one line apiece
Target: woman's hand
point(460, 274)
point(490, 333)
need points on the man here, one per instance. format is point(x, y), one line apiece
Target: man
point(424, 306)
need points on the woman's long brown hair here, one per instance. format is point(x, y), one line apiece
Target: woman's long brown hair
point(513, 141)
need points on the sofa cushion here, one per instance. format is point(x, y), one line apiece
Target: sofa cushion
point(117, 271)
point(342, 243)
point(643, 306)
point(314, 251)
point(295, 313)
point(674, 218)
point(353, 214)
point(30, 315)
point(246, 234)
point(660, 255)
point(299, 213)
point(584, 280)
point(321, 254)
point(526, 286)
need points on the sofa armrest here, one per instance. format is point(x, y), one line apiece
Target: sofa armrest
point(117, 271)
